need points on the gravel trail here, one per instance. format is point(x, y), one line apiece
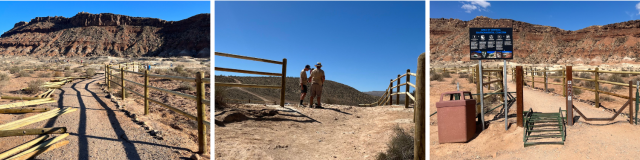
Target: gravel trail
point(99, 131)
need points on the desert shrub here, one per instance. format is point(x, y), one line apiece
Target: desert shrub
point(585, 75)
point(607, 98)
point(469, 78)
point(635, 79)
point(178, 69)
point(68, 74)
point(454, 81)
point(400, 146)
point(615, 78)
point(436, 77)
point(220, 97)
point(556, 80)
point(551, 89)
point(31, 71)
point(446, 75)
point(44, 74)
point(589, 84)
point(24, 73)
point(616, 87)
point(34, 86)
point(4, 77)
point(606, 89)
point(14, 70)
point(85, 64)
point(577, 91)
point(187, 86)
point(464, 75)
point(102, 68)
point(58, 74)
point(66, 68)
point(76, 70)
point(91, 72)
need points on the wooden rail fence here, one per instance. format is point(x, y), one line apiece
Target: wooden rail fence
point(282, 87)
point(387, 97)
point(199, 79)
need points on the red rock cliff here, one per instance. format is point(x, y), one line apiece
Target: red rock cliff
point(108, 34)
point(613, 43)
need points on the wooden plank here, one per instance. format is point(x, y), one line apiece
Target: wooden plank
point(247, 58)
point(36, 118)
point(28, 103)
point(35, 131)
point(184, 79)
point(44, 144)
point(202, 129)
point(20, 98)
point(22, 147)
point(42, 150)
point(24, 110)
point(519, 97)
point(246, 71)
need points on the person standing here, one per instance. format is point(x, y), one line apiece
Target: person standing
point(317, 80)
point(303, 84)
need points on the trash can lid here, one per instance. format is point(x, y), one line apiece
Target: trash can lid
point(454, 92)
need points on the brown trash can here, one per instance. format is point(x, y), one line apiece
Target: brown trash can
point(456, 117)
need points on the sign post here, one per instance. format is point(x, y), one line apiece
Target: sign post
point(494, 44)
point(569, 96)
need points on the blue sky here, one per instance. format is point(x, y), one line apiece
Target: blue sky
point(13, 12)
point(360, 44)
point(568, 15)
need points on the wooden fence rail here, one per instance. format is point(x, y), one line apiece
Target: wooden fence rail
point(282, 86)
point(203, 124)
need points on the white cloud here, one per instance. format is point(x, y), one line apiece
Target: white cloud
point(469, 7)
point(476, 4)
point(638, 7)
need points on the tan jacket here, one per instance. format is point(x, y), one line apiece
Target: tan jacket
point(317, 76)
point(303, 77)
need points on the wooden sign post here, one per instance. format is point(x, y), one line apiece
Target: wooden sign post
point(569, 96)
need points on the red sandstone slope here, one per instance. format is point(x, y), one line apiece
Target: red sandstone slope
point(611, 43)
point(108, 34)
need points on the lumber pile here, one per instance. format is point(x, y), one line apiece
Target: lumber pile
point(38, 145)
point(28, 103)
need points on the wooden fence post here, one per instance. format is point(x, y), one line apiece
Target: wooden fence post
point(597, 85)
point(122, 78)
point(533, 80)
point(419, 147)
point(406, 96)
point(108, 77)
point(398, 91)
point(146, 92)
point(544, 73)
point(202, 130)
point(519, 98)
point(284, 82)
point(390, 92)
point(631, 103)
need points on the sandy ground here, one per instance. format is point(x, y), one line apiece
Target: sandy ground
point(585, 140)
point(335, 132)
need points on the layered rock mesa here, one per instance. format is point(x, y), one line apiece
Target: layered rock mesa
point(107, 34)
point(537, 44)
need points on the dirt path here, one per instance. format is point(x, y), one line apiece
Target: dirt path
point(584, 140)
point(99, 131)
point(334, 132)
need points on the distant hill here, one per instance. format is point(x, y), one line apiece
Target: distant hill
point(333, 92)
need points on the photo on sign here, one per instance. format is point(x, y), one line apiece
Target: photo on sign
point(476, 54)
point(491, 54)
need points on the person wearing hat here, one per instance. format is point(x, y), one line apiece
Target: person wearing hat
point(303, 83)
point(317, 79)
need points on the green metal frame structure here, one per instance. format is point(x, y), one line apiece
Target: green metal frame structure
point(539, 123)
